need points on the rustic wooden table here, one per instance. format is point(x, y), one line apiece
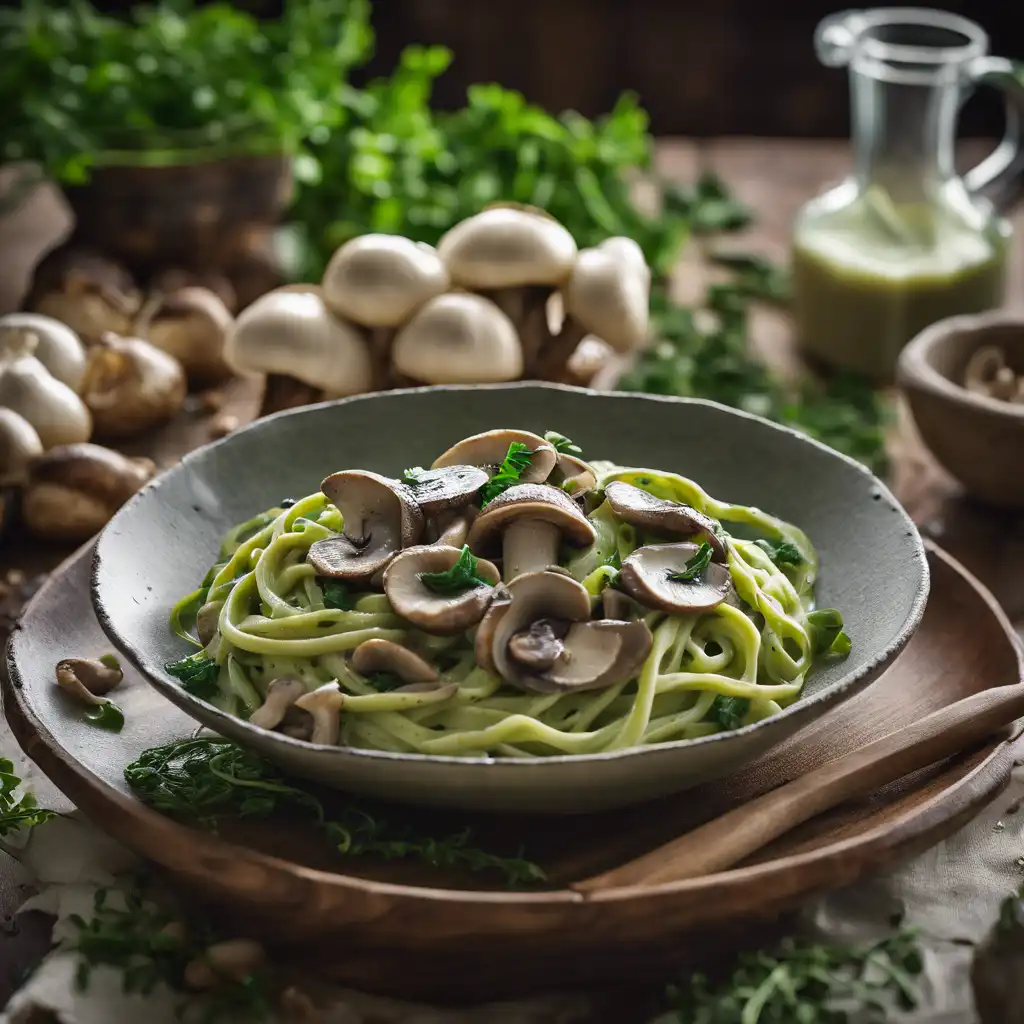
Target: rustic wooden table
point(775, 177)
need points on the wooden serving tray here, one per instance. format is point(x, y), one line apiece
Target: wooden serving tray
point(412, 931)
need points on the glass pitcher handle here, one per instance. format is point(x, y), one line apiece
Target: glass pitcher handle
point(835, 36)
point(994, 176)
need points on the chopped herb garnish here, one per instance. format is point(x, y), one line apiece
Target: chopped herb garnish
point(21, 813)
point(781, 552)
point(729, 712)
point(509, 472)
point(338, 595)
point(412, 477)
point(198, 779)
point(460, 577)
point(382, 682)
point(197, 673)
point(695, 566)
point(562, 444)
point(826, 629)
point(107, 716)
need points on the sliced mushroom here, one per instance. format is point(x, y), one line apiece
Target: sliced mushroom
point(668, 518)
point(87, 679)
point(646, 576)
point(483, 643)
point(324, 704)
point(282, 693)
point(617, 605)
point(441, 614)
point(490, 448)
point(380, 518)
point(531, 520)
point(208, 621)
point(447, 487)
point(458, 338)
point(544, 643)
point(376, 655)
point(573, 475)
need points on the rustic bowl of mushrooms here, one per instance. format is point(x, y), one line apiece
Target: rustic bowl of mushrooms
point(964, 381)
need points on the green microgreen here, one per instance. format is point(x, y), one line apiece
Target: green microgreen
point(695, 566)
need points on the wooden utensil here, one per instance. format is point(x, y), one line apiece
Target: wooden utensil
point(727, 840)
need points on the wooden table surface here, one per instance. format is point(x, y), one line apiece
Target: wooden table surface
point(775, 177)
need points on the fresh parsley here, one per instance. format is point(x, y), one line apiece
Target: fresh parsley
point(729, 712)
point(383, 682)
point(826, 629)
point(562, 444)
point(808, 983)
point(695, 566)
point(20, 813)
point(338, 594)
point(460, 577)
point(512, 468)
point(413, 476)
point(198, 779)
point(781, 552)
point(107, 716)
point(197, 673)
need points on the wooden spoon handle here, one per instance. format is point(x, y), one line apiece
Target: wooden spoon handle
point(728, 839)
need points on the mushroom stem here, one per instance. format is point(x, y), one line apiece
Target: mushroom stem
point(555, 356)
point(534, 332)
point(282, 392)
point(324, 704)
point(530, 545)
point(381, 340)
point(453, 532)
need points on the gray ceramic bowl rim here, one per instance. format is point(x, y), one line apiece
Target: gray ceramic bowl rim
point(916, 370)
point(823, 698)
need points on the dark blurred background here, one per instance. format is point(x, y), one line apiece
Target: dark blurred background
point(700, 67)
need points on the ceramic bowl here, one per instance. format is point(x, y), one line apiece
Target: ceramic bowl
point(873, 567)
point(978, 439)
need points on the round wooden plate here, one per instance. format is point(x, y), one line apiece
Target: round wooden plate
point(414, 931)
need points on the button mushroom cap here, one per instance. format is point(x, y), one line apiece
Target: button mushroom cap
point(447, 487)
point(378, 655)
point(609, 294)
point(543, 642)
point(381, 280)
point(282, 693)
point(19, 446)
point(56, 412)
point(58, 348)
point(458, 338)
point(441, 614)
point(291, 332)
point(490, 448)
point(505, 247)
point(74, 490)
point(531, 519)
point(635, 506)
point(645, 576)
point(380, 518)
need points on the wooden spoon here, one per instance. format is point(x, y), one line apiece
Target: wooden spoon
point(728, 839)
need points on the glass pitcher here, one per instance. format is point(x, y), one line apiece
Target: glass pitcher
point(904, 240)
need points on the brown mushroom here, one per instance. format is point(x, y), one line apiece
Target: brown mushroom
point(531, 520)
point(74, 490)
point(489, 449)
point(668, 518)
point(452, 527)
point(573, 475)
point(448, 487)
point(89, 680)
point(176, 279)
point(324, 704)
point(647, 575)
point(543, 642)
point(208, 621)
point(373, 656)
point(380, 516)
point(282, 693)
point(441, 614)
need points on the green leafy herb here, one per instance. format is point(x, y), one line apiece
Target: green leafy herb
point(707, 206)
point(826, 629)
point(197, 674)
point(413, 476)
point(729, 712)
point(16, 814)
point(509, 472)
point(338, 595)
point(151, 946)
point(695, 566)
point(803, 983)
point(562, 444)
point(107, 716)
point(756, 277)
point(382, 682)
point(460, 577)
point(781, 552)
point(199, 779)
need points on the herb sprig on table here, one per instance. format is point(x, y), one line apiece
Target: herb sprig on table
point(17, 813)
point(196, 780)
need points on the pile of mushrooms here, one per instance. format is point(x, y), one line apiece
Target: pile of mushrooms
point(989, 373)
point(533, 624)
point(54, 394)
point(505, 295)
